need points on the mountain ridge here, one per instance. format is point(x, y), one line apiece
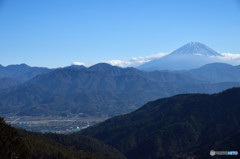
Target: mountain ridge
point(21, 72)
point(187, 125)
point(215, 72)
point(98, 90)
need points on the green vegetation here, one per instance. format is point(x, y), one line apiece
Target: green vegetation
point(182, 126)
point(21, 144)
point(12, 145)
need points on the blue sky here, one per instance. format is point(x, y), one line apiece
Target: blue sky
point(54, 33)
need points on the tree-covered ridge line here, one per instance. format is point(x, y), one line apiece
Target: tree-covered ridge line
point(187, 125)
point(15, 143)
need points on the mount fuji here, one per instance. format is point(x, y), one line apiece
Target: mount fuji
point(189, 56)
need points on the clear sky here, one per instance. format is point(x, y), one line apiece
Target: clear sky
point(55, 33)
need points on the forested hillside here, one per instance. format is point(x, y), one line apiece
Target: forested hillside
point(187, 125)
point(21, 144)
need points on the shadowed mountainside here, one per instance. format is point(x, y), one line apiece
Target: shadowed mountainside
point(6, 83)
point(188, 125)
point(21, 144)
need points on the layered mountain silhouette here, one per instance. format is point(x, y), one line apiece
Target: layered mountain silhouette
point(189, 56)
point(215, 72)
point(100, 90)
point(182, 126)
point(21, 72)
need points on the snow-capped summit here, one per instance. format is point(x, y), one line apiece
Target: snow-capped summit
point(195, 48)
point(189, 56)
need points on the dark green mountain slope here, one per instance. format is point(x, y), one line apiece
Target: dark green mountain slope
point(184, 125)
point(11, 145)
point(25, 145)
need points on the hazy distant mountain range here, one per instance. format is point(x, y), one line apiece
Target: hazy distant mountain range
point(215, 72)
point(102, 89)
point(106, 90)
point(182, 126)
point(21, 72)
point(98, 90)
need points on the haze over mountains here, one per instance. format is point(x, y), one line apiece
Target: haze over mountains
point(105, 90)
point(181, 126)
point(215, 72)
point(21, 72)
point(101, 89)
